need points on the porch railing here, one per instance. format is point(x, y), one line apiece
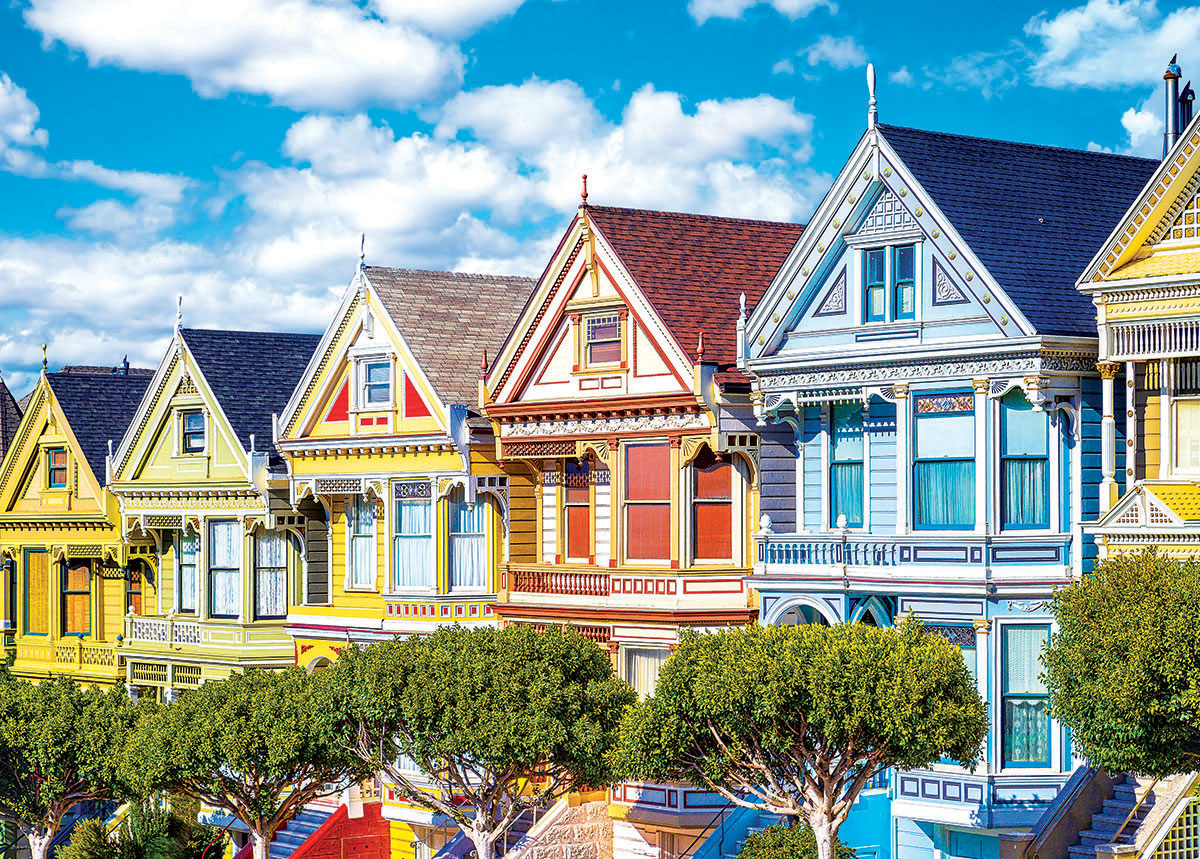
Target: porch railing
point(566, 582)
point(168, 631)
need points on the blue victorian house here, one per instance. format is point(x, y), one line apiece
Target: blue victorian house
point(926, 346)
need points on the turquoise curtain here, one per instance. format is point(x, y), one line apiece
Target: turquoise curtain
point(413, 556)
point(945, 493)
point(1026, 487)
point(846, 492)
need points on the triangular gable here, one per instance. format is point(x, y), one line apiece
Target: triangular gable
point(329, 401)
point(1140, 509)
point(588, 333)
point(876, 199)
point(24, 485)
point(1148, 224)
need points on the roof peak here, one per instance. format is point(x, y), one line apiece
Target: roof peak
point(885, 127)
point(593, 209)
point(429, 271)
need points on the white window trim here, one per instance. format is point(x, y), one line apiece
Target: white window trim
point(390, 588)
point(827, 465)
point(205, 416)
point(1054, 475)
point(488, 549)
point(348, 580)
point(584, 318)
point(359, 360)
point(1176, 468)
point(858, 266)
point(996, 704)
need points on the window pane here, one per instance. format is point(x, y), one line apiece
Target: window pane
point(714, 531)
point(946, 436)
point(1026, 731)
point(648, 530)
point(714, 481)
point(193, 422)
point(944, 494)
point(847, 438)
point(846, 493)
point(189, 548)
point(37, 604)
point(1024, 484)
point(226, 593)
point(271, 593)
point(269, 549)
point(875, 302)
point(468, 551)
point(604, 353)
point(603, 328)
point(362, 562)
point(904, 263)
point(641, 668)
point(875, 266)
point(1187, 433)
point(1026, 432)
point(361, 515)
point(1022, 649)
point(412, 551)
point(904, 300)
point(224, 545)
point(378, 373)
point(648, 472)
point(579, 538)
point(576, 477)
point(77, 600)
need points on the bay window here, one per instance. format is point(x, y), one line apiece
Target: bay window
point(944, 461)
point(1025, 702)
point(712, 508)
point(577, 510)
point(647, 502)
point(77, 598)
point(468, 542)
point(270, 575)
point(846, 449)
point(1024, 464)
point(360, 534)
point(224, 568)
point(188, 553)
point(412, 540)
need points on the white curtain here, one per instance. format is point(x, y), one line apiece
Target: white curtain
point(413, 552)
point(225, 567)
point(468, 549)
point(1026, 708)
point(360, 514)
point(641, 668)
point(270, 574)
point(1187, 433)
point(189, 557)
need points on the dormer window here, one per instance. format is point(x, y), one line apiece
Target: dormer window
point(376, 383)
point(603, 345)
point(191, 432)
point(56, 468)
point(890, 283)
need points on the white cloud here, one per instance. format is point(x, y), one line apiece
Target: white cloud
point(18, 117)
point(161, 187)
point(702, 10)
point(1109, 43)
point(901, 77)
point(1145, 126)
point(783, 67)
point(841, 52)
point(305, 55)
point(521, 117)
point(446, 17)
point(986, 72)
point(123, 221)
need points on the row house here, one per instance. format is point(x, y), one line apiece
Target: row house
point(627, 436)
point(926, 348)
point(196, 475)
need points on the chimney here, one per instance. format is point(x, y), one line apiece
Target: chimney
point(1186, 102)
point(125, 366)
point(1171, 76)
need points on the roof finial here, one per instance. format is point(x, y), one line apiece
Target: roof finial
point(583, 194)
point(700, 348)
point(742, 304)
point(872, 111)
point(178, 313)
point(362, 251)
point(43, 357)
point(483, 362)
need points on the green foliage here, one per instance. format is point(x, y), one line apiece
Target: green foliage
point(149, 832)
point(252, 744)
point(482, 707)
point(787, 842)
point(1124, 666)
point(760, 709)
point(60, 744)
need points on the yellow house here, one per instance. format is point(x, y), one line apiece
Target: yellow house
point(70, 577)
point(382, 432)
point(196, 474)
point(1145, 282)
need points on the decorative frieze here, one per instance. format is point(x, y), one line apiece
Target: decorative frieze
point(604, 426)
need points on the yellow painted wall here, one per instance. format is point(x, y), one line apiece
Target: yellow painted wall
point(1147, 414)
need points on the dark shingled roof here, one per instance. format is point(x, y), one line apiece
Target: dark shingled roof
point(252, 374)
point(693, 268)
point(449, 318)
point(994, 192)
point(99, 407)
point(10, 417)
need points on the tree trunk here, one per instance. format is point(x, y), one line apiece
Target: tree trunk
point(825, 833)
point(261, 844)
point(484, 843)
point(39, 842)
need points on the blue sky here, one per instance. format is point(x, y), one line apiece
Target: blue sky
point(232, 150)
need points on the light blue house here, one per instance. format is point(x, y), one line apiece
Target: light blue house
point(926, 346)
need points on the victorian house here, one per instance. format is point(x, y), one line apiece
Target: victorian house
point(631, 453)
point(196, 475)
point(70, 577)
point(936, 368)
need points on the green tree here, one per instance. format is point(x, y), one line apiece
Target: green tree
point(150, 831)
point(796, 720)
point(787, 842)
point(60, 745)
point(475, 714)
point(1124, 666)
point(252, 745)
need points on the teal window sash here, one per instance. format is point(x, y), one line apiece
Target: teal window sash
point(1024, 465)
point(847, 451)
point(874, 287)
point(193, 432)
point(1025, 726)
point(904, 284)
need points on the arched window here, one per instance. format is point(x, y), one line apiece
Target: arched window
point(800, 615)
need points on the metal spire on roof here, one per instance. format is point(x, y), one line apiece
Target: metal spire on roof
point(362, 252)
point(43, 357)
point(872, 110)
point(178, 313)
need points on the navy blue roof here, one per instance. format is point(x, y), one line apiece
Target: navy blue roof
point(98, 407)
point(252, 374)
point(1034, 215)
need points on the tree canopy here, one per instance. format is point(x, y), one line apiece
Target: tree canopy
point(1123, 667)
point(787, 842)
point(796, 720)
point(60, 745)
point(253, 744)
point(478, 713)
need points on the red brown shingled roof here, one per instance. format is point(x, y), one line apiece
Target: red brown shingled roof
point(693, 268)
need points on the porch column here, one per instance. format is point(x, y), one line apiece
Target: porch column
point(982, 662)
point(1108, 436)
point(903, 457)
point(980, 387)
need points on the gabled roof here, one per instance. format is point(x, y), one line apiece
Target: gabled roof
point(10, 417)
point(449, 318)
point(1034, 215)
point(694, 268)
point(99, 407)
point(251, 373)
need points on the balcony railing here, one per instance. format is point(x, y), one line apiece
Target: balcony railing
point(166, 631)
point(969, 550)
point(68, 654)
point(567, 582)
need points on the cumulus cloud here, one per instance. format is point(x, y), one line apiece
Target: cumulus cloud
point(987, 72)
point(305, 55)
point(702, 10)
point(902, 77)
point(841, 52)
point(521, 117)
point(446, 17)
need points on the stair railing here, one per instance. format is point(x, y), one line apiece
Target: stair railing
point(720, 815)
point(1137, 805)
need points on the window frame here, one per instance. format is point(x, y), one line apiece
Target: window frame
point(896, 283)
point(915, 460)
point(697, 501)
point(422, 494)
point(186, 435)
point(870, 286)
point(481, 505)
point(195, 565)
point(49, 620)
point(365, 385)
point(1004, 696)
point(627, 503)
point(585, 468)
point(1049, 505)
point(51, 468)
point(351, 584)
point(628, 651)
point(132, 571)
point(285, 537)
point(861, 462)
point(65, 592)
point(210, 570)
point(586, 322)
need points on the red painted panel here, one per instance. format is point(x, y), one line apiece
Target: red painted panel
point(340, 410)
point(714, 531)
point(414, 405)
point(648, 467)
point(579, 543)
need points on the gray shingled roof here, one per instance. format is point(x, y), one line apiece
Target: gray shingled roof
point(10, 417)
point(99, 407)
point(449, 318)
point(252, 374)
point(1034, 215)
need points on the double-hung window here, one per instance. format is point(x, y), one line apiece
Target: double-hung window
point(648, 502)
point(577, 508)
point(37, 592)
point(224, 568)
point(889, 283)
point(1186, 408)
point(712, 508)
point(1024, 464)
point(642, 665)
point(603, 339)
point(188, 552)
point(904, 284)
point(56, 468)
point(133, 589)
point(270, 575)
point(191, 426)
point(846, 465)
point(1025, 702)
point(468, 542)
point(412, 550)
point(944, 461)
point(77, 598)
point(376, 384)
point(875, 286)
point(360, 535)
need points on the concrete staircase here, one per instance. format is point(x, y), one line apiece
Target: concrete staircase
point(1108, 820)
point(304, 824)
point(757, 823)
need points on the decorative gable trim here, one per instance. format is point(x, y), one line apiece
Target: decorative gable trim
point(1139, 509)
point(888, 216)
point(835, 300)
point(945, 290)
point(1181, 226)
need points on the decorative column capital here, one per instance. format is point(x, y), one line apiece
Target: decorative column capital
point(982, 626)
point(1108, 370)
point(900, 389)
point(981, 386)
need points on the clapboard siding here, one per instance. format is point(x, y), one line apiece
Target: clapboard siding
point(879, 425)
point(777, 459)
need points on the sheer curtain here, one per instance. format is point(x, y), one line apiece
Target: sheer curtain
point(641, 668)
point(189, 558)
point(1187, 433)
point(1026, 708)
point(468, 549)
point(360, 515)
point(270, 585)
point(225, 568)
point(945, 492)
point(413, 551)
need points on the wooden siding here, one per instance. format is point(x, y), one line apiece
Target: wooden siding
point(814, 512)
point(879, 427)
point(777, 461)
